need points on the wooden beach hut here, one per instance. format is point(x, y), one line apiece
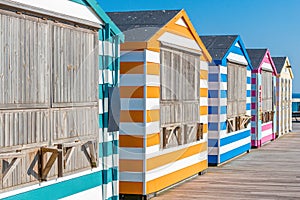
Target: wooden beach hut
point(263, 94)
point(284, 94)
point(163, 88)
point(51, 56)
point(229, 99)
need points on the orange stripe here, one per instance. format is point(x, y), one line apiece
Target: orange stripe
point(172, 178)
point(153, 92)
point(131, 165)
point(203, 92)
point(131, 91)
point(168, 158)
point(131, 67)
point(132, 116)
point(153, 115)
point(133, 46)
point(203, 110)
point(153, 139)
point(131, 187)
point(204, 74)
point(133, 141)
point(205, 128)
point(153, 68)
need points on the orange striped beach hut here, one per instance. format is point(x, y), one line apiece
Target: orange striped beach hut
point(163, 88)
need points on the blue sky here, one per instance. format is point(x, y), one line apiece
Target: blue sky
point(273, 24)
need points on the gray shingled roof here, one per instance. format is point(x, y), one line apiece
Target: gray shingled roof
point(141, 25)
point(218, 45)
point(279, 63)
point(256, 56)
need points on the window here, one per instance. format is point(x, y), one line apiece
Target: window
point(236, 97)
point(267, 95)
point(180, 83)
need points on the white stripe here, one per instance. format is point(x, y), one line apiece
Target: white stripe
point(107, 190)
point(223, 102)
point(100, 102)
point(223, 70)
point(132, 80)
point(213, 134)
point(152, 149)
point(132, 104)
point(214, 69)
point(132, 128)
point(233, 57)
point(248, 99)
point(237, 45)
point(108, 51)
point(100, 79)
point(266, 132)
point(204, 65)
point(223, 85)
point(105, 105)
point(204, 119)
point(132, 176)
point(203, 101)
point(213, 85)
point(152, 80)
point(179, 41)
point(152, 104)
point(131, 153)
point(203, 83)
point(48, 183)
point(181, 22)
point(152, 127)
point(213, 101)
point(248, 86)
point(175, 166)
point(152, 56)
point(213, 118)
point(235, 145)
point(132, 56)
point(223, 117)
point(213, 151)
point(173, 149)
point(94, 193)
point(248, 73)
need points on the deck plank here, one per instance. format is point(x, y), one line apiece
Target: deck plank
point(272, 172)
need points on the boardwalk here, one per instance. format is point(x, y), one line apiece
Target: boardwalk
point(272, 172)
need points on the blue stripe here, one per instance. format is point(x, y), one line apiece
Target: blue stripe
point(100, 91)
point(105, 118)
point(213, 159)
point(223, 110)
point(223, 126)
point(113, 198)
point(213, 94)
point(248, 80)
point(236, 50)
point(224, 78)
point(248, 93)
point(213, 77)
point(212, 142)
point(101, 121)
point(213, 126)
point(234, 138)
point(213, 109)
point(235, 152)
point(62, 189)
point(223, 93)
point(110, 175)
point(248, 106)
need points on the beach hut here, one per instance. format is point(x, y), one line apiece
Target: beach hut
point(296, 106)
point(163, 89)
point(229, 98)
point(263, 94)
point(284, 94)
point(51, 56)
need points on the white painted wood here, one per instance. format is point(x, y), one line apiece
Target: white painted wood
point(152, 56)
point(237, 59)
point(181, 22)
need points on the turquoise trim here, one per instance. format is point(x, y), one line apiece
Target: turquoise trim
point(100, 12)
point(62, 189)
point(82, 2)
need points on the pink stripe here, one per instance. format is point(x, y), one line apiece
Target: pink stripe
point(253, 105)
point(267, 127)
point(268, 138)
point(252, 130)
point(255, 143)
point(253, 80)
point(253, 93)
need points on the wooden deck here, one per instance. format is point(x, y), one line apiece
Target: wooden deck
point(272, 172)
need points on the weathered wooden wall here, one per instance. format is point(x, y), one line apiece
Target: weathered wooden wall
point(48, 95)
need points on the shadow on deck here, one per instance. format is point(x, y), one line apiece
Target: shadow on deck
point(272, 172)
